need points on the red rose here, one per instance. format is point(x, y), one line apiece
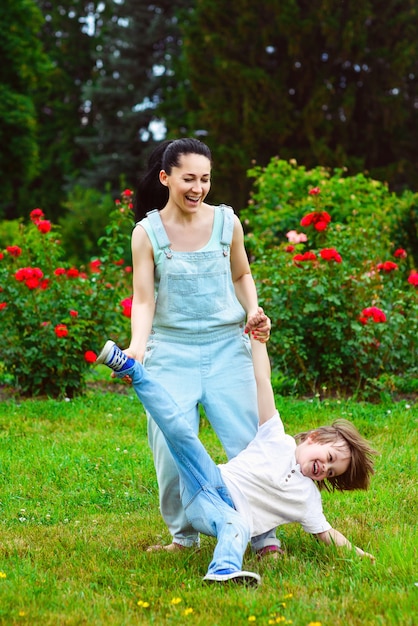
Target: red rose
point(314, 192)
point(3, 305)
point(126, 307)
point(59, 271)
point(14, 250)
point(61, 330)
point(307, 219)
point(90, 356)
point(400, 253)
point(330, 254)
point(387, 266)
point(306, 256)
point(95, 266)
point(73, 313)
point(318, 219)
point(32, 282)
point(73, 272)
point(372, 312)
point(413, 279)
point(44, 226)
point(36, 215)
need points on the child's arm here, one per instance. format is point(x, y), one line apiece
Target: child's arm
point(262, 371)
point(334, 537)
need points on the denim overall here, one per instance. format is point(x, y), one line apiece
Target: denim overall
point(197, 350)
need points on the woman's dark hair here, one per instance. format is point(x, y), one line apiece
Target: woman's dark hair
point(150, 193)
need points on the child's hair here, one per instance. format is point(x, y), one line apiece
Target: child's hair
point(151, 194)
point(357, 475)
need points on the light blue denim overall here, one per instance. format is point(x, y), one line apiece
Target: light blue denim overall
point(198, 351)
point(206, 499)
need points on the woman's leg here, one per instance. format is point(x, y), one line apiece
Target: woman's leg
point(197, 470)
point(162, 363)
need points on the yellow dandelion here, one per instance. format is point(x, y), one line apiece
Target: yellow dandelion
point(142, 604)
point(3, 575)
point(288, 596)
point(22, 613)
point(188, 611)
point(176, 601)
point(252, 618)
point(315, 624)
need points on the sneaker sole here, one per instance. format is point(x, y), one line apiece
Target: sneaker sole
point(105, 351)
point(249, 579)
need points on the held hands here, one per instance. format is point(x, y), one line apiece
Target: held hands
point(259, 325)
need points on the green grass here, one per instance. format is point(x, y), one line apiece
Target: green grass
point(78, 506)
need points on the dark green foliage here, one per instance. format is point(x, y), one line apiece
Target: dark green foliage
point(132, 64)
point(326, 83)
point(320, 338)
point(59, 104)
point(24, 70)
point(50, 322)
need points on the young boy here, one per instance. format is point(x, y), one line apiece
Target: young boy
point(272, 482)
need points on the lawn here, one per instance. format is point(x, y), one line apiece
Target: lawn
point(79, 506)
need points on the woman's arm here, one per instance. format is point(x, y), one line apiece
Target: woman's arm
point(143, 300)
point(244, 284)
point(241, 273)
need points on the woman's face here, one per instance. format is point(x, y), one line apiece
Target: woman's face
point(189, 183)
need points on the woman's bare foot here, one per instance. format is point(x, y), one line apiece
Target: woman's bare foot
point(172, 547)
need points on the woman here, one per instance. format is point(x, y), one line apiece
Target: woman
point(192, 291)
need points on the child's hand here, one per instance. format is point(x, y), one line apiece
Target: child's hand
point(362, 553)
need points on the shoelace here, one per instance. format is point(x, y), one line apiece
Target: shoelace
point(118, 360)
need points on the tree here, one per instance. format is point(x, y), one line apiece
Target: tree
point(71, 45)
point(132, 65)
point(326, 83)
point(24, 69)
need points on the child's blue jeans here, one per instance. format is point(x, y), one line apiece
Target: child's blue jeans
point(204, 496)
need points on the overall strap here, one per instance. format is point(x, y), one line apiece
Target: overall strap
point(228, 227)
point(159, 232)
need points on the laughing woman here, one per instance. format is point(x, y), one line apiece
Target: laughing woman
point(192, 293)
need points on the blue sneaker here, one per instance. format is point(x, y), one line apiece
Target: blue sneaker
point(113, 357)
point(241, 577)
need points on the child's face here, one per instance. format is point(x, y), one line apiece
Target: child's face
point(322, 460)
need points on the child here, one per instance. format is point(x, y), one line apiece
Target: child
point(271, 482)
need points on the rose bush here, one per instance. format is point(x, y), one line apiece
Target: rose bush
point(53, 315)
point(342, 296)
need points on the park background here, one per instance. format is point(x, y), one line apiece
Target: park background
point(310, 110)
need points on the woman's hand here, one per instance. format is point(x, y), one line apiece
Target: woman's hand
point(259, 325)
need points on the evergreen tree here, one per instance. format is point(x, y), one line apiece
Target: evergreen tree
point(326, 83)
point(24, 69)
point(71, 44)
point(132, 66)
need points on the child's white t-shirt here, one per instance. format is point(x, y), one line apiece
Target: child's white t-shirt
point(267, 486)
